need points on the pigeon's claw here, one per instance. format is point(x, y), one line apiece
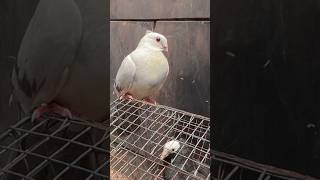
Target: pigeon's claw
point(126, 96)
point(51, 108)
point(61, 111)
point(39, 111)
point(151, 101)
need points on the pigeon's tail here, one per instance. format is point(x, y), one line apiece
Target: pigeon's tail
point(13, 103)
point(11, 98)
point(10, 103)
point(116, 89)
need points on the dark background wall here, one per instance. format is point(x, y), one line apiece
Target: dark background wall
point(187, 86)
point(14, 18)
point(266, 81)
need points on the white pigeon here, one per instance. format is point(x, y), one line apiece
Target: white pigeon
point(59, 69)
point(143, 72)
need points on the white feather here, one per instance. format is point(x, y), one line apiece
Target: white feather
point(144, 70)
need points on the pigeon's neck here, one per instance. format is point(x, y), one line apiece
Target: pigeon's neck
point(148, 46)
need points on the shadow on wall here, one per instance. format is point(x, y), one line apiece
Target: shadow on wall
point(188, 83)
point(266, 82)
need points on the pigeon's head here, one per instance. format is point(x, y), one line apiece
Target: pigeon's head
point(170, 148)
point(155, 41)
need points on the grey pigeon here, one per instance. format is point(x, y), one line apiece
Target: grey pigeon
point(58, 68)
point(175, 156)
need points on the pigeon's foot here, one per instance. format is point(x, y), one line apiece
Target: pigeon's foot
point(126, 96)
point(39, 111)
point(50, 108)
point(61, 110)
point(151, 101)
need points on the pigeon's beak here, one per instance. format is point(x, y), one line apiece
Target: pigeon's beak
point(166, 49)
point(164, 154)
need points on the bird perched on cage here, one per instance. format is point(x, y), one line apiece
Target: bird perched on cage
point(144, 71)
point(176, 154)
point(59, 69)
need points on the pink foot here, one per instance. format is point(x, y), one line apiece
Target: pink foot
point(126, 96)
point(151, 101)
point(61, 110)
point(51, 108)
point(42, 109)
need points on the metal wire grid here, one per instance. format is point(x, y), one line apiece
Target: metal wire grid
point(139, 132)
point(54, 148)
point(226, 166)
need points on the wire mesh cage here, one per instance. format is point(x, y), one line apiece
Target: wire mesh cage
point(58, 148)
point(226, 167)
point(54, 148)
point(139, 132)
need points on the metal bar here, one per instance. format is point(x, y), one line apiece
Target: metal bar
point(53, 160)
point(234, 170)
point(152, 120)
point(23, 155)
point(161, 19)
point(23, 136)
point(63, 139)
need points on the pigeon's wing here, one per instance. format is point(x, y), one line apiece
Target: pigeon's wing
point(124, 80)
point(125, 76)
point(46, 53)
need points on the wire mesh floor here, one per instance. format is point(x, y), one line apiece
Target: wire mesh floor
point(57, 148)
point(54, 148)
point(139, 132)
point(226, 167)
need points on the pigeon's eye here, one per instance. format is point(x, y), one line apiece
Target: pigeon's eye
point(157, 39)
point(172, 149)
